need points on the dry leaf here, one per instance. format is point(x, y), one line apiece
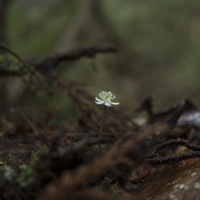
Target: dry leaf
point(175, 182)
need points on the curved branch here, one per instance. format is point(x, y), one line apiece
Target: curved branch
point(50, 62)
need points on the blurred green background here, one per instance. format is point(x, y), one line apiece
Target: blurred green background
point(158, 44)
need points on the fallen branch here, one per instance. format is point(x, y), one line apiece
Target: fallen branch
point(172, 143)
point(51, 62)
point(171, 160)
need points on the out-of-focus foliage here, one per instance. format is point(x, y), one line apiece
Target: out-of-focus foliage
point(158, 45)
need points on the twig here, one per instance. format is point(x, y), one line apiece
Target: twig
point(172, 159)
point(50, 62)
point(174, 142)
point(31, 70)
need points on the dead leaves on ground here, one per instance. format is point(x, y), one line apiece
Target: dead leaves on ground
point(174, 182)
point(81, 171)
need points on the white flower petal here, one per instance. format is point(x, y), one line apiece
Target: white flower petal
point(105, 98)
point(97, 99)
point(114, 103)
point(99, 102)
point(107, 104)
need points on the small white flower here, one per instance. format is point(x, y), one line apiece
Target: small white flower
point(106, 98)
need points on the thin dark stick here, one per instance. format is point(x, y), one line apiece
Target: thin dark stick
point(51, 62)
point(31, 70)
point(175, 142)
point(172, 159)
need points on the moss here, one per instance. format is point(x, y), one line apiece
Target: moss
point(35, 155)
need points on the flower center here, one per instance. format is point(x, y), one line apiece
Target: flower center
point(107, 96)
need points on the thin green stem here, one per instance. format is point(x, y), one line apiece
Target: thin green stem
point(101, 126)
point(102, 121)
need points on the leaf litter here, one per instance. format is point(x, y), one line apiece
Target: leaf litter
point(155, 160)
